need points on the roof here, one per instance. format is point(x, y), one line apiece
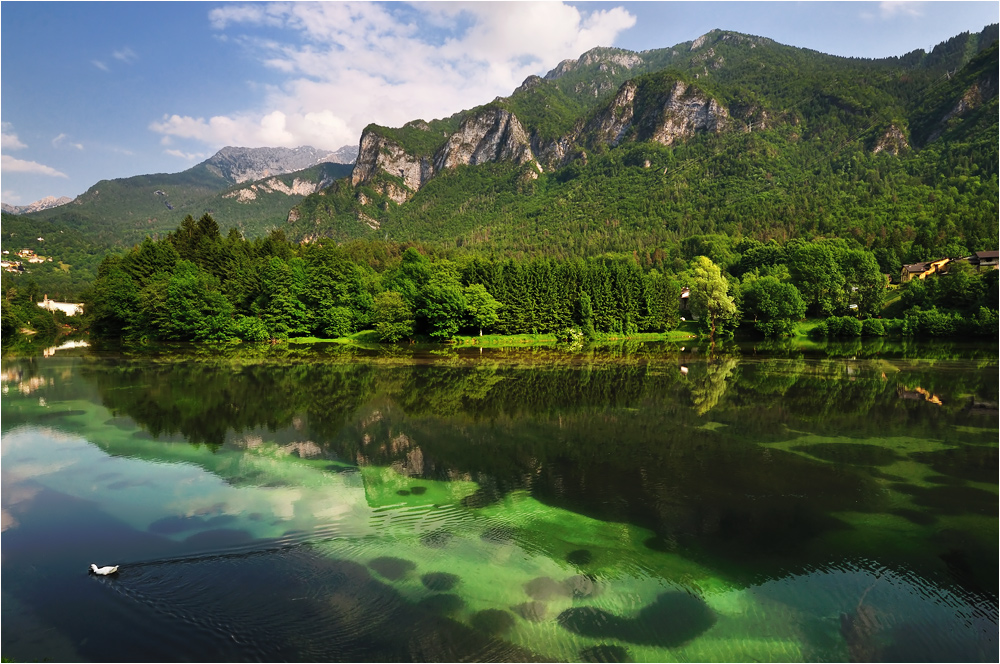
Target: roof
point(916, 267)
point(987, 254)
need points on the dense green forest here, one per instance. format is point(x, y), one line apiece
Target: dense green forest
point(197, 285)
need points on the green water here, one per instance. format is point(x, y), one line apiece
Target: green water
point(636, 503)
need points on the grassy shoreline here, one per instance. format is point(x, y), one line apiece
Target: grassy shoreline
point(686, 331)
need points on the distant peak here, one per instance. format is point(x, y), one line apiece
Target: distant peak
point(240, 165)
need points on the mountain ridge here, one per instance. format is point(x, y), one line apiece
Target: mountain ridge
point(711, 103)
point(121, 211)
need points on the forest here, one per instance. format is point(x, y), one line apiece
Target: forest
point(198, 285)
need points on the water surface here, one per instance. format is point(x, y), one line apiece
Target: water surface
point(635, 503)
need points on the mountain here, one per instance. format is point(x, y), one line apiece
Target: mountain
point(43, 204)
point(239, 165)
point(727, 134)
point(248, 188)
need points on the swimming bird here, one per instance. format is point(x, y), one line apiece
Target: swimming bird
point(103, 571)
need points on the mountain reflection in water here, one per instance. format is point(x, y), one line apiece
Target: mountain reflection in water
point(503, 505)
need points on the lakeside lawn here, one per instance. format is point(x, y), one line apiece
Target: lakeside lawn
point(685, 331)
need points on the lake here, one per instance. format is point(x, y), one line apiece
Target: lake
point(642, 502)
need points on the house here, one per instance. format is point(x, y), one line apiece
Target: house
point(68, 308)
point(922, 270)
point(985, 260)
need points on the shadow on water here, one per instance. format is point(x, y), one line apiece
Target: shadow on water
point(268, 603)
point(672, 620)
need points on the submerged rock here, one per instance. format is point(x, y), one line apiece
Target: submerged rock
point(493, 621)
point(392, 568)
point(533, 611)
point(672, 620)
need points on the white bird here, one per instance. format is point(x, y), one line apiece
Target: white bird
point(103, 571)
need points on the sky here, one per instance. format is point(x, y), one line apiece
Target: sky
point(100, 90)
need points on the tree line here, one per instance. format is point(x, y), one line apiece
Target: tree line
point(196, 285)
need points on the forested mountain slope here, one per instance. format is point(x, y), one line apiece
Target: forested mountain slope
point(251, 188)
point(728, 134)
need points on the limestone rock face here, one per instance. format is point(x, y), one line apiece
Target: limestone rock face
point(984, 89)
point(299, 187)
point(377, 152)
point(557, 152)
point(490, 136)
point(608, 59)
point(683, 114)
point(239, 165)
point(493, 135)
point(892, 141)
point(610, 127)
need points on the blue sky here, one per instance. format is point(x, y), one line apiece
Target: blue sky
point(96, 90)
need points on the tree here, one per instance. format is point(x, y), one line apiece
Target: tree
point(814, 271)
point(197, 310)
point(864, 281)
point(773, 305)
point(709, 297)
point(482, 309)
point(280, 308)
point(586, 315)
point(443, 307)
point(393, 317)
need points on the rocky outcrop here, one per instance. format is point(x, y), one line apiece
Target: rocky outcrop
point(984, 89)
point(610, 126)
point(607, 59)
point(685, 112)
point(298, 187)
point(378, 153)
point(239, 165)
point(893, 141)
point(494, 134)
point(490, 136)
point(665, 118)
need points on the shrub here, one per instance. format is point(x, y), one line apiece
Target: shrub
point(850, 327)
point(250, 328)
point(336, 322)
point(872, 327)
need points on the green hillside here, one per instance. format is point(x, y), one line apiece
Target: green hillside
point(898, 155)
point(121, 212)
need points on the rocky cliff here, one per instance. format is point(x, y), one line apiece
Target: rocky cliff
point(238, 165)
point(650, 108)
point(275, 185)
point(379, 154)
point(489, 136)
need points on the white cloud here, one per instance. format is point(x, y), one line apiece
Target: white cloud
point(100, 65)
point(125, 55)
point(892, 8)
point(8, 139)
point(187, 156)
point(348, 64)
point(11, 165)
point(60, 141)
